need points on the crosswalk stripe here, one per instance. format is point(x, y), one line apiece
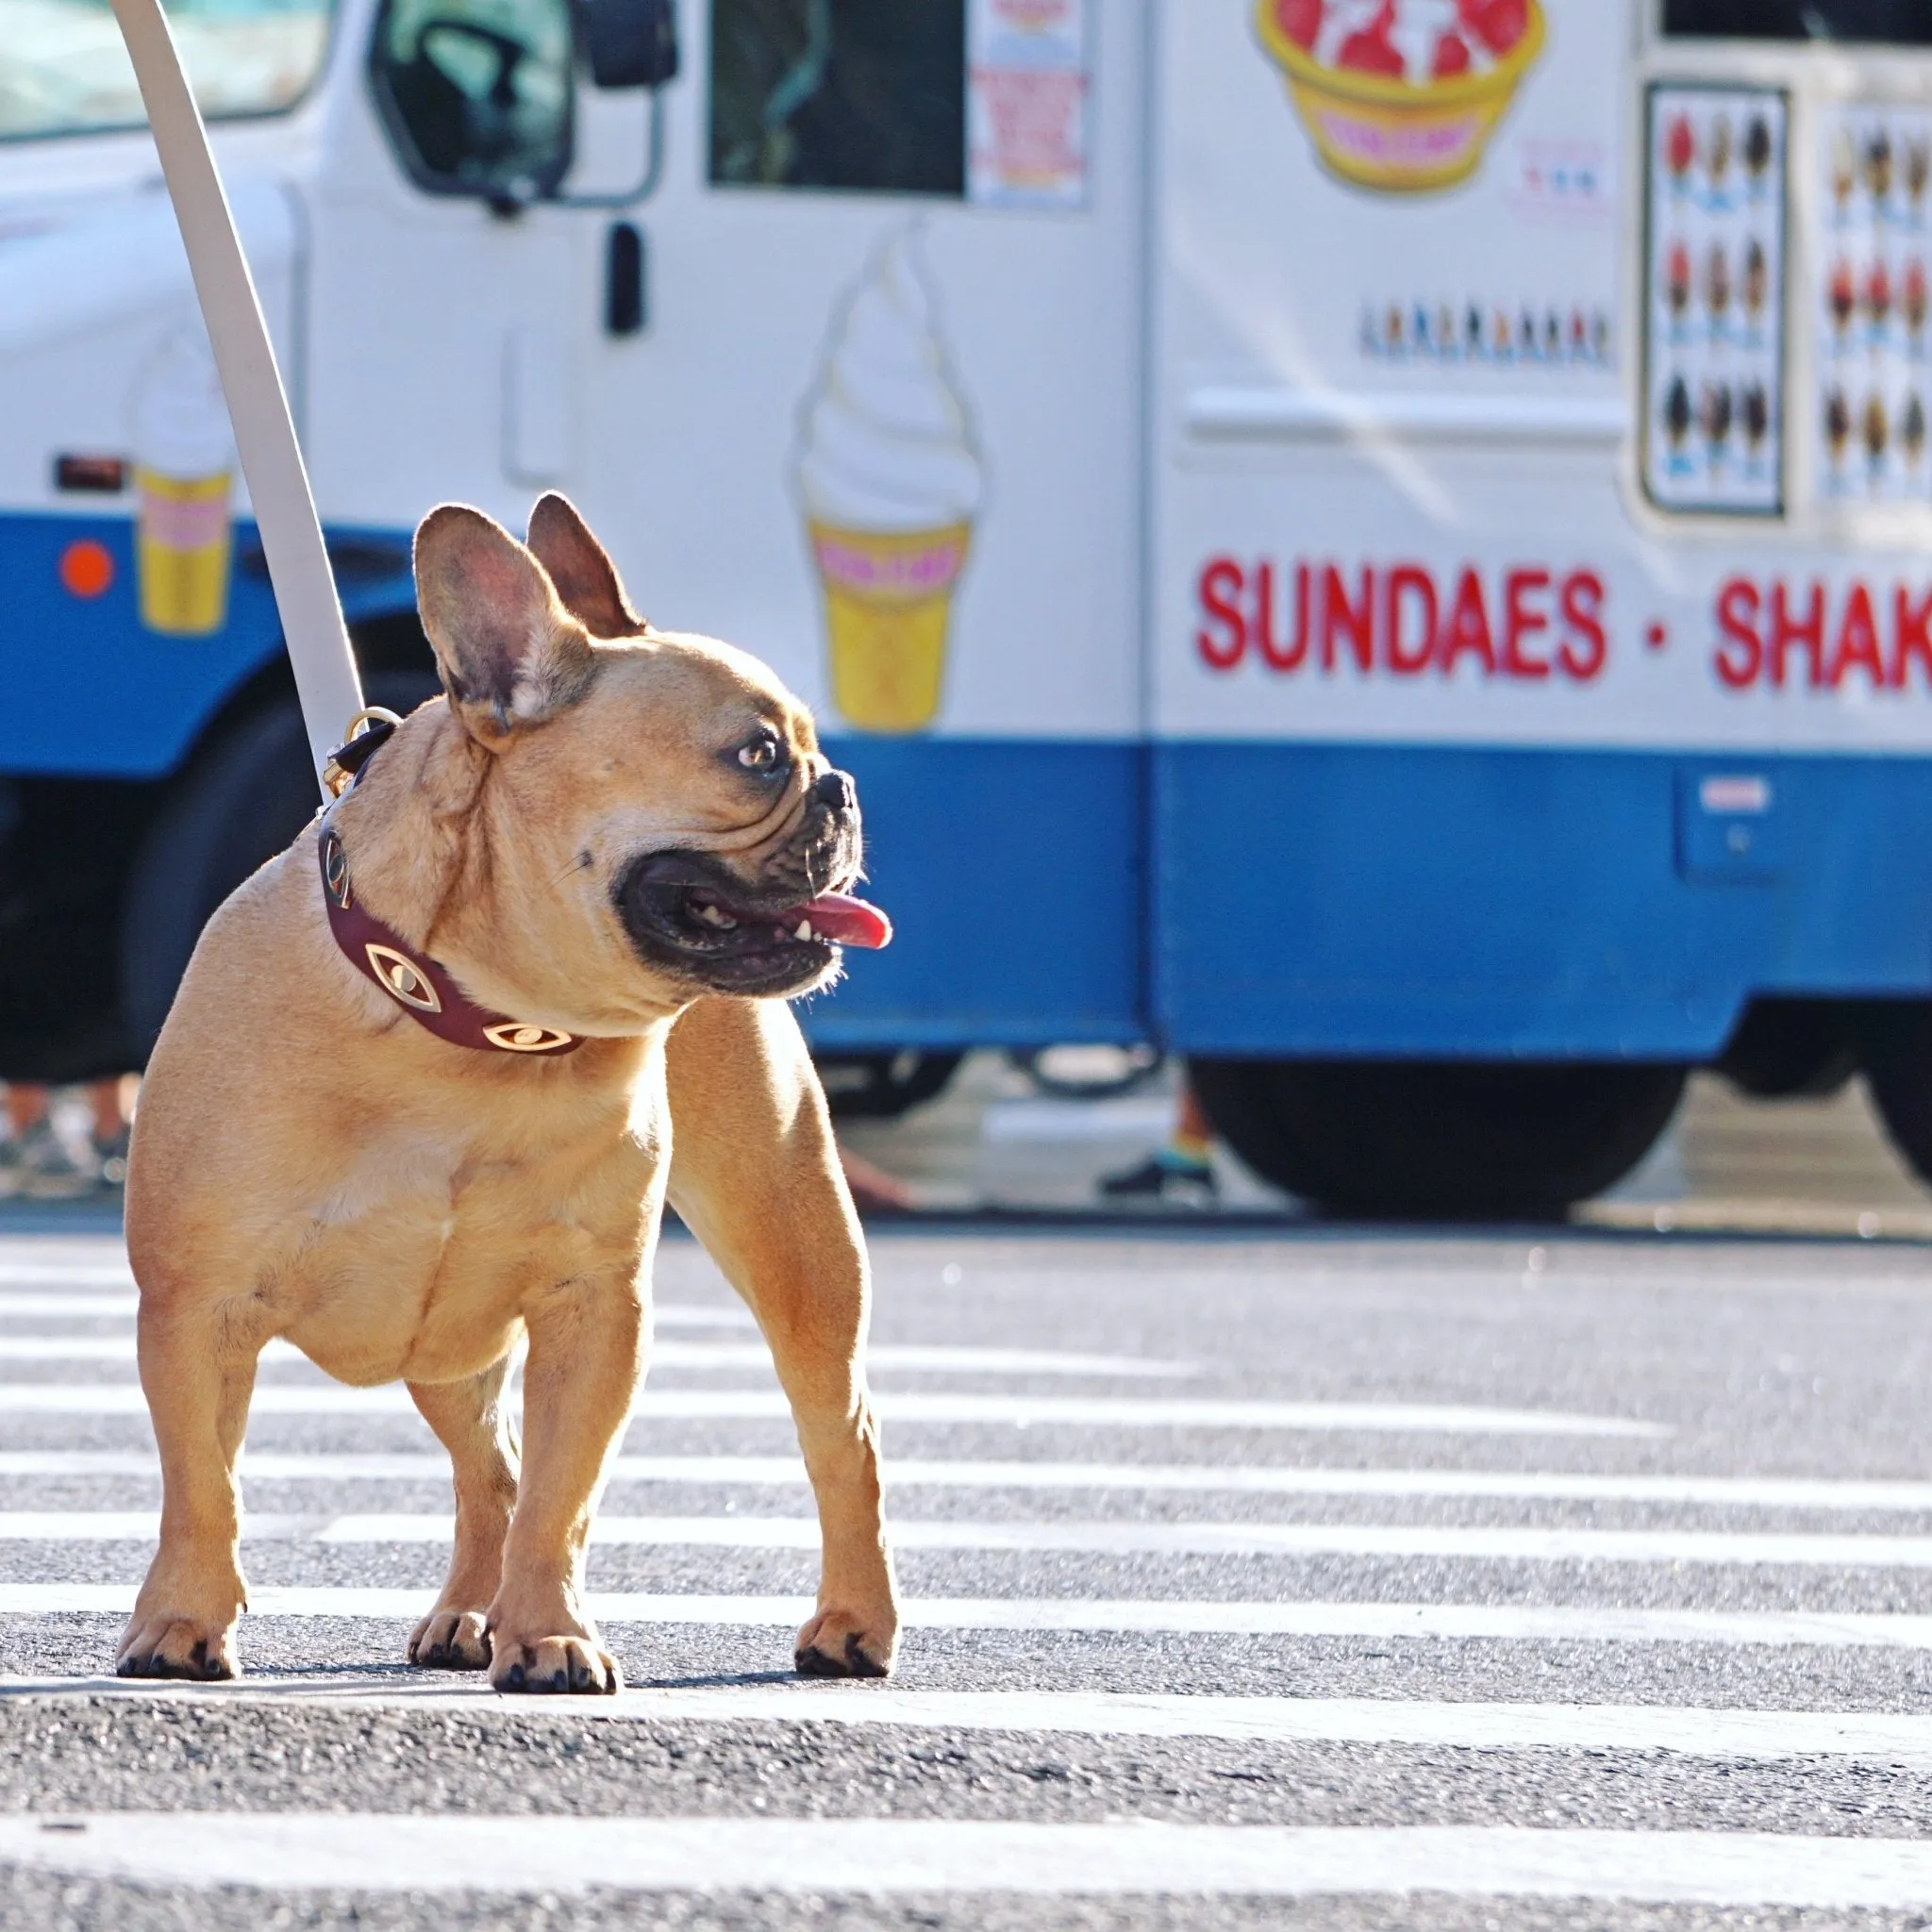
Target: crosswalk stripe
point(54, 1272)
point(16, 1304)
point(690, 1355)
point(756, 1404)
point(1462, 1543)
point(446, 1852)
point(1758, 1737)
point(1458, 1622)
point(907, 1473)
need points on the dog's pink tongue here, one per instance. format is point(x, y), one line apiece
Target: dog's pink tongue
point(848, 922)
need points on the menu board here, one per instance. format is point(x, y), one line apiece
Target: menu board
point(1026, 103)
point(1870, 306)
point(1714, 300)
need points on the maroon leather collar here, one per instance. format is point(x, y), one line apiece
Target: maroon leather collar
point(418, 984)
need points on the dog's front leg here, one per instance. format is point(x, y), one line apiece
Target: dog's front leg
point(472, 1423)
point(755, 1174)
point(586, 1353)
point(198, 1374)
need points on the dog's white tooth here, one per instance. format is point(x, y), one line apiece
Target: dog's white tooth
point(803, 931)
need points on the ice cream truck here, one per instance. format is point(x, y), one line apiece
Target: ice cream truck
point(1378, 545)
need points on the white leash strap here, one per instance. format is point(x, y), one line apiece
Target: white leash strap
point(318, 641)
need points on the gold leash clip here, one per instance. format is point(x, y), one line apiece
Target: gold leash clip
point(338, 779)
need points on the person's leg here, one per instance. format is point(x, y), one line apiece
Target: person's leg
point(26, 1107)
point(1181, 1169)
point(38, 1162)
point(110, 1130)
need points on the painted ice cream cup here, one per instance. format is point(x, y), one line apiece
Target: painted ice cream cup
point(1401, 95)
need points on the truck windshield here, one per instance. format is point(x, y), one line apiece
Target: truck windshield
point(1903, 21)
point(63, 70)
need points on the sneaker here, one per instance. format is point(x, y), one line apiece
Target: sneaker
point(1165, 1178)
point(43, 1168)
point(111, 1159)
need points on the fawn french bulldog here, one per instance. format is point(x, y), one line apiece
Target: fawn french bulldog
point(433, 1072)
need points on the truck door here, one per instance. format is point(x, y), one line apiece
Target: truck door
point(880, 428)
point(449, 301)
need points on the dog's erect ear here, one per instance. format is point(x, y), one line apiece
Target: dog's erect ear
point(584, 577)
point(509, 653)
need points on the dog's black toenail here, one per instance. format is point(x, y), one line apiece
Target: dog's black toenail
point(859, 1664)
point(559, 1680)
point(813, 1662)
point(515, 1679)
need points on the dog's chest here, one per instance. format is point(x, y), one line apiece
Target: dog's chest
point(426, 1253)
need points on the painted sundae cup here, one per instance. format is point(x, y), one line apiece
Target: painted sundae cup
point(1401, 95)
point(184, 476)
point(890, 479)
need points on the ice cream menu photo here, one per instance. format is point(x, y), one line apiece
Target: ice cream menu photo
point(1869, 308)
point(1714, 433)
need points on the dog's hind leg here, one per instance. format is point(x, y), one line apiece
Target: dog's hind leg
point(472, 1423)
point(198, 1374)
point(755, 1173)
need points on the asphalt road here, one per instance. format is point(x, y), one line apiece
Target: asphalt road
point(1311, 1578)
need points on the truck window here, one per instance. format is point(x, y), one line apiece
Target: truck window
point(64, 71)
point(476, 94)
point(1908, 22)
point(862, 95)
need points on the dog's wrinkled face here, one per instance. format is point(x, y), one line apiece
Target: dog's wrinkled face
point(674, 785)
point(767, 915)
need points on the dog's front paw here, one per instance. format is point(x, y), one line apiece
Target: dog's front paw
point(548, 1665)
point(845, 1643)
point(163, 1643)
point(451, 1641)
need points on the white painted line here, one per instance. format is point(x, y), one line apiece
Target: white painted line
point(57, 1302)
point(686, 1354)
point(1755, 1736)
point(62, 1271)
point(135, 1525)
point(1012, 1411)
point(1465, 1543)
point(1476, 1544)
point(1458, 1622)
point(283, 1851)
point(19, 1304)
point(911, 1472)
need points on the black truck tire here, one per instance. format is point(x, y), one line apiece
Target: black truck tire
point(1437, 1140)
point(1790, 1049)
point(1895, 1041)
point(240, 800)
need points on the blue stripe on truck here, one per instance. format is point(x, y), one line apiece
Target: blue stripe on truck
point(1344, 899)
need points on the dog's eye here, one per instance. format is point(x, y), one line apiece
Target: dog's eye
point(764, 755)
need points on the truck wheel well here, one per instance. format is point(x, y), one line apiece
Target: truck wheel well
point(67, 856)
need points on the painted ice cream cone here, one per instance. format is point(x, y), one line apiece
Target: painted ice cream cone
point(890, 480)
point(184, 475)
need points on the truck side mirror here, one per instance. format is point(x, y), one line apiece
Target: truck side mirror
point(628, 43)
